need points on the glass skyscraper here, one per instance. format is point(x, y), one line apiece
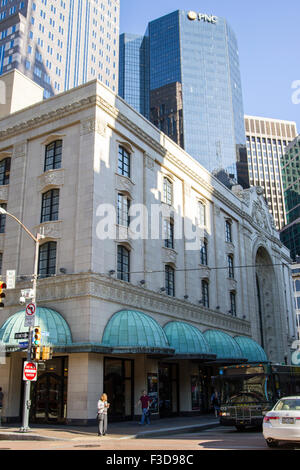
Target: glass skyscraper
point(133, 71)
point(195, 90)
point(290, 167)
point(61, 44)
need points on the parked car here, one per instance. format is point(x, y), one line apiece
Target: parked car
point(282, 423)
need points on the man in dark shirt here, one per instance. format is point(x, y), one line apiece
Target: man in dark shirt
point(145, 404)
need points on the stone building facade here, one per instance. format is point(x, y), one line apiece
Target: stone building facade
point(124, 306)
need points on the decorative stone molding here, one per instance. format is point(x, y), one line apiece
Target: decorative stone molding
point(4, 193)
point(169, 255)
point(51, 230)
point(91, 125)
point(204, 272)
point(124, 184)
point(127, 295)
point(149, 162)
point(52, 138)
point(51, 178)
point(20, 149)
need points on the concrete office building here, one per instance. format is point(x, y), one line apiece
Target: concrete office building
point(61, 44)
point(129, 305)
point(195, 93)
point(267, 141)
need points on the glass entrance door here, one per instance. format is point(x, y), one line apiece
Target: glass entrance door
point(118, 385)
point(168, 390)
point(49, 393)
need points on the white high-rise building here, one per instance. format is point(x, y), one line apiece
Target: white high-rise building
point(61, 44)
point(267, 140)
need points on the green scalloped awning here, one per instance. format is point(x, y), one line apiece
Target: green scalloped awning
point(224, 346)
point(251, 349)
point(49, 320)
point(134, 331)
point(187, 340)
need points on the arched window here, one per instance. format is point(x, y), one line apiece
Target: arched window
point(123, 263)
point(205, 293)
point(53, 155)
point(47, 259)
point(123, 162)
point(50, 205)
point(170, 280)
point(4, 171)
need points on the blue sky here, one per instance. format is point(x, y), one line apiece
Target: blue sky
point(268, 35)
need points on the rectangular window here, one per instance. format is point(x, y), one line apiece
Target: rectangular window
point(123, 210)
point(170, 281)
point(228, 234)
point(202, 214)
point(123, 263)
point(205, 294)
point(124, 162)
point(50, 205)
point(233, 303)
point(47, 259)
point(168, 192)
point(169, 233)
point(203, 253)
point(2, 219)
point(230, 267)
point(53, 155)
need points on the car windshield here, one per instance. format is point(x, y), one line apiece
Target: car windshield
point(292, 404)
point(245, 398)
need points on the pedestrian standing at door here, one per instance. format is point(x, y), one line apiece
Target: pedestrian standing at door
point(145, 402)
point(1, 403)
point(102, 406)
point(215, 401)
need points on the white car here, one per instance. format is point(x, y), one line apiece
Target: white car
point(282, 423)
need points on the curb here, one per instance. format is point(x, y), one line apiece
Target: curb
point(169, 431)
point(30, 436)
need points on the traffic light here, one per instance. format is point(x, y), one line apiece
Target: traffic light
point(37, 336)
point(36, 353)
point(47, 353)
point(2, 294)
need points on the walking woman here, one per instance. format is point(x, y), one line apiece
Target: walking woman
point(102, 406)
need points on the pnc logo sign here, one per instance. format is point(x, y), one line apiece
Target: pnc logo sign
point(192, 15)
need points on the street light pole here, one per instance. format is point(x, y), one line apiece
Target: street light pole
point(27, 403)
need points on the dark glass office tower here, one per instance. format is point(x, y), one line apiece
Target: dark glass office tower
point(195, 91)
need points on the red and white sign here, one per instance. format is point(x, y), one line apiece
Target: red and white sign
point(30, 309)
point(30, 371)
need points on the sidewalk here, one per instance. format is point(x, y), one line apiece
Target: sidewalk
point(123, 430)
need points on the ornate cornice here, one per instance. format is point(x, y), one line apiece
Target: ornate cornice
point(73, 286)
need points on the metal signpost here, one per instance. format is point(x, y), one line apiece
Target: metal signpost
point(30, 312)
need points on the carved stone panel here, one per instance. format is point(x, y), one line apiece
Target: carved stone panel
point(51, 178)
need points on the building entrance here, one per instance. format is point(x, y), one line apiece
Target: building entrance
point(49, 393)
point(118, 385)
point(168, 390)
